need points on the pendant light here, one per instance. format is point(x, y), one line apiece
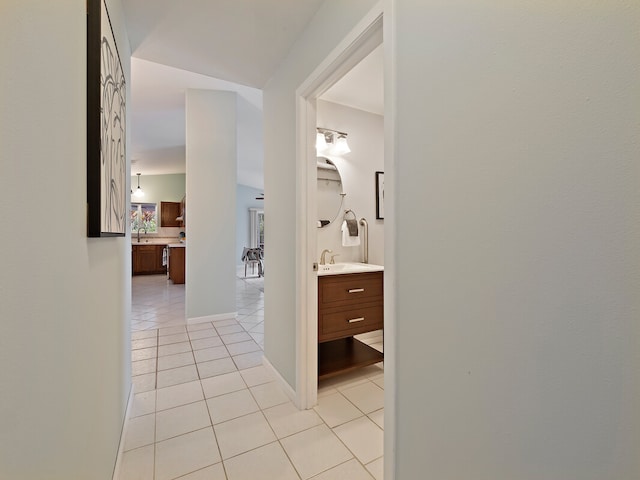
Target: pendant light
point(138, 193)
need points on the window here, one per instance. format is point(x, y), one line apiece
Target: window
point(144, 217)
point(257, 228)
point(261, 230)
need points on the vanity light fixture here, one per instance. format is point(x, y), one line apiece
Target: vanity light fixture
point(138, 193)
point(321, 143)
point(331, 142)
point(341, 146)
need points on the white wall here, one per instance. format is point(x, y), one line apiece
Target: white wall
point(357, 169)
point(517, 162)
point(211, 153)
point(337, 17)
point(250, 141)
point(64, 298)
point(160, 188)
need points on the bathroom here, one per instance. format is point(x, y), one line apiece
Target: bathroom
point(352, 193)
point(364, 125)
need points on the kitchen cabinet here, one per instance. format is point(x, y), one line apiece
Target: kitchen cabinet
point(176, 264)
point(169, 211)
point(348, 305)
point(147, 259)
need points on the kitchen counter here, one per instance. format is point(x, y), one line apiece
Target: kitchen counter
point(153, 240)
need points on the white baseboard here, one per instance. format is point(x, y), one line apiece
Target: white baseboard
point(123, 435)
point(213, 318)
point(291, 393)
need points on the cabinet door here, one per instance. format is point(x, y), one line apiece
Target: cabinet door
point(349, 304)
point(169, 211)
point(341, 322)
point(145, 259)
point(176, 265)
point(346, 290)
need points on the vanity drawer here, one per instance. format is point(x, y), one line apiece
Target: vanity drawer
point(334, 290)
point(342, 322)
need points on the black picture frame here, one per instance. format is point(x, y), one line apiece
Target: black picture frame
point(107, 214)
point(379, 195)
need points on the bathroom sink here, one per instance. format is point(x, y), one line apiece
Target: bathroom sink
point(350, 267)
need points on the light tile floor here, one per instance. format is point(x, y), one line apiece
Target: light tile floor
point(205, 407)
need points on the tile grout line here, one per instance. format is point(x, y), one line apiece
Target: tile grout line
point(213, 430)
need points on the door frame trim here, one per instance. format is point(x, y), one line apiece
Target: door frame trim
point(361, 41)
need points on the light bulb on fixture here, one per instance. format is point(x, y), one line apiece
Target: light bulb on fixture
point(340, 146)
point(138, 193)
point(331, 142)
point(321, 143)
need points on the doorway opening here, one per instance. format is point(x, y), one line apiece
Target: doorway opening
point(362, 41)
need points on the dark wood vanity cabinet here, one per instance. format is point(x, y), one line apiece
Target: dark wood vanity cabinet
point(147, 259)
point(348, 305)
point(169, 211)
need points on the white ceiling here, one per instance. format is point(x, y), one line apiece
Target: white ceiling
point(233, 45)
point(242, 41)
point(158, 118)
point(363, 86)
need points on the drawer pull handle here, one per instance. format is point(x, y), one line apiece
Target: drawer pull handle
point(354, 320)
point(356, 290)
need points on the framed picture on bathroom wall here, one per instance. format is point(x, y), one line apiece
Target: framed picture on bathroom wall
point(107, 214)
point(380, 195)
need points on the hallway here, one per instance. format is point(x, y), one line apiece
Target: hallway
point(206, 408)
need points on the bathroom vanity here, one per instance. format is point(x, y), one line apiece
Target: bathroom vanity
point(350, 302)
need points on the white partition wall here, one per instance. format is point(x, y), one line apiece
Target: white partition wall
point(65, 299)
point(517, 160)
point(211, 151)
point(281, 164)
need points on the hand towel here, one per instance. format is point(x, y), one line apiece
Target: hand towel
point(348, 240)
point(352, 223)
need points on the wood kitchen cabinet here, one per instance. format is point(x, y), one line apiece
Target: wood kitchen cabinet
point(176, 264)
point(348, 305)
point(147, 259)
point(169, 211)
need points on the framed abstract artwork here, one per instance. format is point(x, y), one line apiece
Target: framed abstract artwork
point(380, 195)
point(107, 214)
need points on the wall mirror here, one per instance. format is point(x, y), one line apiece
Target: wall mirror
point(330, 194)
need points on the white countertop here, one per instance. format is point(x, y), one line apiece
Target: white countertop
point(346, 268)
point(154, 240)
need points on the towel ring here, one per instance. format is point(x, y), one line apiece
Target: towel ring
point(347, 212)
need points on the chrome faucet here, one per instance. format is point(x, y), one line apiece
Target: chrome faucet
point(322, 259)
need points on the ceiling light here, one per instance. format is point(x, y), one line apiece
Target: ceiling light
point(138, 193)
